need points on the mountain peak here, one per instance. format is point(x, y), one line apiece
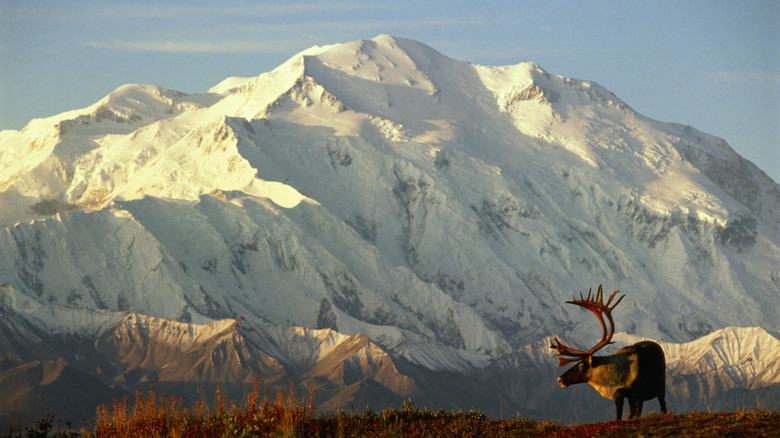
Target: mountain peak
point(384, 59)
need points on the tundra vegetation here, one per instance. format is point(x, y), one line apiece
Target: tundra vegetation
point(291, 415)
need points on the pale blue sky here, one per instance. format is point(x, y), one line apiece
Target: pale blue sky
point(714, 65)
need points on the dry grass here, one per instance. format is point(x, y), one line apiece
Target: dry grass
point(291, 415)
point(168, 417)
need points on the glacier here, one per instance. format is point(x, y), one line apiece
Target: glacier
point(435, 212)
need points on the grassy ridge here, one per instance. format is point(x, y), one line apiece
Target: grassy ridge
point(293, 416)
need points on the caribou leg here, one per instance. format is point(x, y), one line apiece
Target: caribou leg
point(635, 407)
point(662, 402)
point(619, 407)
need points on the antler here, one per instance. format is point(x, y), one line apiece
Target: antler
point(597, 306)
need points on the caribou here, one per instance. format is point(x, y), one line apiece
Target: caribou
point(636, 372)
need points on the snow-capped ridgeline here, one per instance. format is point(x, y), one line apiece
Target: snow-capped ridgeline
point(443, 209)
point(744, 358)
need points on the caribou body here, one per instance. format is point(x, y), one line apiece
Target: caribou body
point(636, 372)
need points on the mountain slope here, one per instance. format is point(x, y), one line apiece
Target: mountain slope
point(43, 360)
point(444, 210)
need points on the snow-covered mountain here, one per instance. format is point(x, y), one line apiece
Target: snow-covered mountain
point(380, 192)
